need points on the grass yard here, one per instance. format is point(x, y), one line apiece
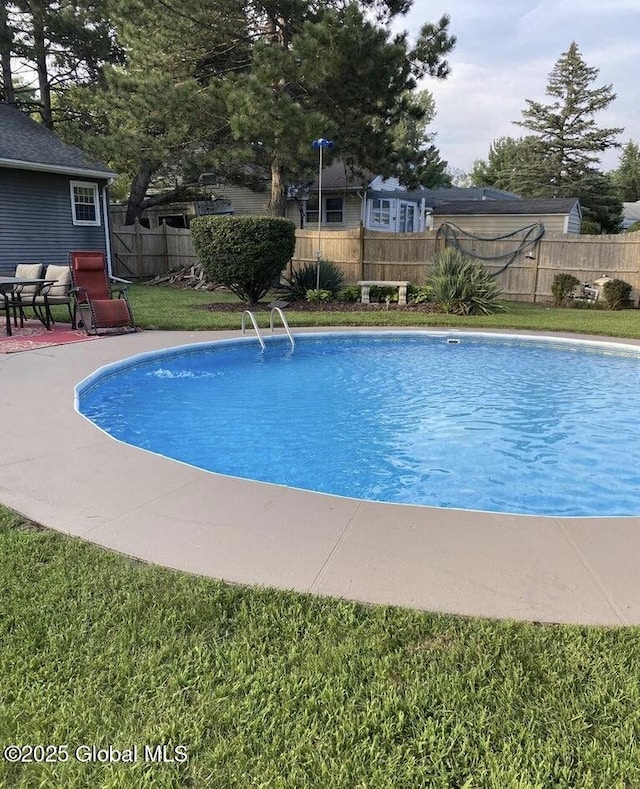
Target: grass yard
point(274, 689)
point(288, 691)
point(165, 307)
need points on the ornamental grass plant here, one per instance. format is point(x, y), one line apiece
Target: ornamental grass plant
point(462, 286)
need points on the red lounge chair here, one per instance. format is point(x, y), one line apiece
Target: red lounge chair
point(99, 305)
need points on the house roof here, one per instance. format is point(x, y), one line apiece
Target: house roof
point(338, 176)
point(27, 145)
point(437, 196)
point(537, 206)
point(434, 197)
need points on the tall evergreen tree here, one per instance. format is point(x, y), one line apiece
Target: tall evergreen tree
point(627, 175)
point(64, 42)
point(416, 157)
point(559, 156)
point(514, 165)
point(330, 70)
point(7, 89)
point(566, 128)
point(160, 119)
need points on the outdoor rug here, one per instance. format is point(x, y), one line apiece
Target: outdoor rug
point(35, 335)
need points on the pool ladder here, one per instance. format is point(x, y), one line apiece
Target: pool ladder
point(275, 310)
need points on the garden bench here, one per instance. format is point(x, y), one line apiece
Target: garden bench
point(365, 285)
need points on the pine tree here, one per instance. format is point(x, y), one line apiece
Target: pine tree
point(559, 157)
point(566, 129)
point(160, 119)
point(329, 70)
point(64, 42)
point(7, 89)
point(514, 165)
point(627, 176)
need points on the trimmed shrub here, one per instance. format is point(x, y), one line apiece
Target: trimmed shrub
point(306, 278)
point(349, 295)
point(378, 294)
point(562, 287)
point(419, 294)
point(616, 292)
point(318, 296)
point(246, 254)
point(462, 286)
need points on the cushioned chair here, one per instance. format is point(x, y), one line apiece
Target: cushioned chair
point(23, 294)
point(101, 302)
point(56, 292)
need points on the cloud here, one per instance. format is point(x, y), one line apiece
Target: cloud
point(504, 54)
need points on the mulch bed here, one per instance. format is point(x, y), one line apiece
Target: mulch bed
point(305, 306)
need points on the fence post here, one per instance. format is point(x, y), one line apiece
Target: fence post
point(165, 246)
point(536, 266)
point(137, 246)
point(360, 259)
point(535, 280)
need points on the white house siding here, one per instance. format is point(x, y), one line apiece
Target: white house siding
point(353, 210)
point(244, 201)
point(387, 185)
point(499, 224)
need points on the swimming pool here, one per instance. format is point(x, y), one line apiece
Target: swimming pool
point(467, 421)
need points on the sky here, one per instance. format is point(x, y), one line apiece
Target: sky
point(503, 56)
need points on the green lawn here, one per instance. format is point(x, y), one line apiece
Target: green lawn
point(275, 689)
point(162, 307)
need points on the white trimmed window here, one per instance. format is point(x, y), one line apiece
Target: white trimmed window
point(85, 208)
point(333, 210)
point(380, 212)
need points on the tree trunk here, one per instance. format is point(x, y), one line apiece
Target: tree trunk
point(278, 200)
point(40, 57)
point(139, 186)
point(6, 45)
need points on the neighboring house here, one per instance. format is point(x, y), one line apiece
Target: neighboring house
point(495, 217)
point(630, 214)
point(348, 200)
point(52, 198)
point(178, 214)
point(401, 211)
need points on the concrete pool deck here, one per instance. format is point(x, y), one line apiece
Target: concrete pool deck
point(62, 472)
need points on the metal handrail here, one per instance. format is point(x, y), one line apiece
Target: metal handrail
point(255, 326)
point(284, 323)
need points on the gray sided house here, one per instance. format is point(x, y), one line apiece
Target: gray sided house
point(52, 198)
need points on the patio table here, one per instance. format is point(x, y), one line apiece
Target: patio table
point(7, 285)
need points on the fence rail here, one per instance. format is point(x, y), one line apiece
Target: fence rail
point(140, 253)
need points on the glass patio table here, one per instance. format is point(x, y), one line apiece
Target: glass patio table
point(7, 286)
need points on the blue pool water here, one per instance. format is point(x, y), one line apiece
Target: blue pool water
point(480, 423)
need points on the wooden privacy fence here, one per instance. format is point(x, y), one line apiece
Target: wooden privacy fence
point(140, 253)
point(528, 275)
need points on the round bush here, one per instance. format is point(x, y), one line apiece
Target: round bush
point(244, 253)
point(615, 293)
point(561, 287)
